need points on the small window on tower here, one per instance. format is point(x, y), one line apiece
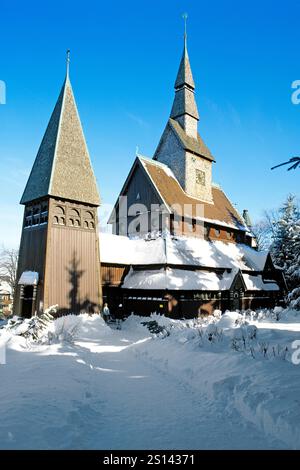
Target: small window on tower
point(200, 177)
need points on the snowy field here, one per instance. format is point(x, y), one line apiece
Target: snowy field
point(226, 383)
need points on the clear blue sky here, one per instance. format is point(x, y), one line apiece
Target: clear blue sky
point(124, 59)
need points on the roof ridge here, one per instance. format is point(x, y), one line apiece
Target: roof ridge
point(155, 162)
point(189, 143)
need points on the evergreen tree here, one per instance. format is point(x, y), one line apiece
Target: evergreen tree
point(293, 272)
point(285, 248)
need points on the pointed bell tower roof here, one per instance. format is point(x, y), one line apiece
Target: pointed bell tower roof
point(184, 101)
point(62, 167)
point(184, 75)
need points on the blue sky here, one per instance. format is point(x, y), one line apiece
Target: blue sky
point(124, 59)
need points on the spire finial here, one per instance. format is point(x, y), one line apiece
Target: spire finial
point(68, 62)
point(185, 17)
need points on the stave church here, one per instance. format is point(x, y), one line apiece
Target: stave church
point(177, 246)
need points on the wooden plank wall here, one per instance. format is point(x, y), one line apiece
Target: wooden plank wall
point(72, 277)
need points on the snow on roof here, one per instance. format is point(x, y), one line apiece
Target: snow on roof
point(29, 278)
point(177, 279)
point(216, 254)
point(257, 283)
point(186, 251)
point(118, 249)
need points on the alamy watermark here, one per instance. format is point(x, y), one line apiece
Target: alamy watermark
point(2, 92)
point(2, 352)
point(130, 219)
point(295, 98)
point(296, 353)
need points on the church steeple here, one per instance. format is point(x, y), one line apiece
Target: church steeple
point(181, 147)
point(184, 109)
point(62, 167)
point(184, 75)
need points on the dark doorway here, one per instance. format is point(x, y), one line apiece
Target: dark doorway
point(27, 301)
point(236, 300)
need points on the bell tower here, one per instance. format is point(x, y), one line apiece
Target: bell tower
point(59, 261)
point(181, 147)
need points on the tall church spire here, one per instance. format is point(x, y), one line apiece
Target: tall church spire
point(62, 167)
point(181, 147)
point(184, 109)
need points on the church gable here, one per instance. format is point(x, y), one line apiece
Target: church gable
point(140, 190)
point(137, 201)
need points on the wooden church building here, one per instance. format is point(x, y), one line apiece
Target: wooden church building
point(178, 246)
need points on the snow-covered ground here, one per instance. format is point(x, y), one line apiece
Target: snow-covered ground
point(229, 383)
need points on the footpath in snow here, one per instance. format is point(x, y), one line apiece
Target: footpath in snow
point(226, 384)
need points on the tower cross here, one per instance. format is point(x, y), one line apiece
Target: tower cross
point(68, 62)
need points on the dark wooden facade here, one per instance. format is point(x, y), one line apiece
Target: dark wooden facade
point(60, 242)
point(189, 304)
point(185, 304)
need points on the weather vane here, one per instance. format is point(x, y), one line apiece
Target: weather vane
point(68, 61)
point(185, 17)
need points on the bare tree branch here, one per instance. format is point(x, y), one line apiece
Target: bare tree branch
point(8, 267)
point(264, 229)
point(294, 160)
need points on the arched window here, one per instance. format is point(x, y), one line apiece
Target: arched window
point(74, 213)
point(77, 223)
point(88, 215)
point(92, 225)
point(86, 224)
point(59, 210)
point(61, 221)
point(55, 220)
point(217, 232)
point(71, 222)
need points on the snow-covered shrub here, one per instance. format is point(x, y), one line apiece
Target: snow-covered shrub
point(230, 320)
point(213, 334)
point(64, 329)
point(156, 329)
point(217, 314)
point(52, 310)
point(294, 298)
point(277, 313)
point(33, 329)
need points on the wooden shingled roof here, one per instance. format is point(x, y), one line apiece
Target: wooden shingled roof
point(195, 146)
point(220, 212)
point(63, 167)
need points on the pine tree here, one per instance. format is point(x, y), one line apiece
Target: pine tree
point(293, 272)
point(285, 248)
